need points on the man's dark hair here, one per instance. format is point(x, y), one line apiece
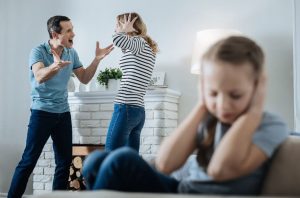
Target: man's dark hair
point(53, 24)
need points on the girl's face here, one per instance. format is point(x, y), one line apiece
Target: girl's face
point(227, 89)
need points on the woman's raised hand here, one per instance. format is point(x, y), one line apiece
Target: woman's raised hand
point(127, 25)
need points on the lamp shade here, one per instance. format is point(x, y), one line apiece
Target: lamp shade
point(205, 39)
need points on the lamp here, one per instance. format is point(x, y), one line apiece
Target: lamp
point(205, 39)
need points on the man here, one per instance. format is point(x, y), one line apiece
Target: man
point(51, 65)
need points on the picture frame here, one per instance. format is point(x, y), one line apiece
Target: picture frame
point(158, 79)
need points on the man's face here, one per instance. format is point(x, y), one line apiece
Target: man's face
point(67, 35)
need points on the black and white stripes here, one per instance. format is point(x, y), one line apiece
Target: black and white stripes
point(137, 65)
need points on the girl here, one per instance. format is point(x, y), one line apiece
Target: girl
point(137, 65)
point(234, 137)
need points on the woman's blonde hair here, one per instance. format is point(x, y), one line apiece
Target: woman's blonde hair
point(141, 29)
point(235, 50)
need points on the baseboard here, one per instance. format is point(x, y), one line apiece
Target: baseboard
point(3, 194)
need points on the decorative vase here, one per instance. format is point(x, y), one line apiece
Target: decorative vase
point(99, 87)
point(77, 84)
point(92, 85)
point(95, 86)
point(71, 85)
point(82, 87)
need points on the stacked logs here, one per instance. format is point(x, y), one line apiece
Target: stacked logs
point(80, 152)
point(76, 181)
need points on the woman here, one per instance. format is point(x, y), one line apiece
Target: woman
point(137, 64)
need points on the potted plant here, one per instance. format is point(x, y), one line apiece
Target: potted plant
point(107, 74)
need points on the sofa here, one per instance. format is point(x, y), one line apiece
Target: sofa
point(283, 179)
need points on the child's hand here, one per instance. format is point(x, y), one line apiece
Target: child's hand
point(257, 105)
point(127, 25)
point(201, 101)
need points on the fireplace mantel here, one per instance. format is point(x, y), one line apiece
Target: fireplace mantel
point(158, 94)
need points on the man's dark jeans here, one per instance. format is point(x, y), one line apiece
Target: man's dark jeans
point(41, 126)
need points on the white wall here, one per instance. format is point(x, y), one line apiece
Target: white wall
point(173, 24)
point(297, 66)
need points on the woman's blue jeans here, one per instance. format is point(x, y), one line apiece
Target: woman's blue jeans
point(125, 127)
point(124, 170)
point(41, 126)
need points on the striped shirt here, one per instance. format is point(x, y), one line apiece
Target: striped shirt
point(137, 65)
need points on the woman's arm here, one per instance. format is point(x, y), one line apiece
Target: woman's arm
point(135, 44)
point(121, 39)
point(175, 149)
point(236, 155)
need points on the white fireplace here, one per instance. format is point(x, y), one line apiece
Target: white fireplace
point(91, 113)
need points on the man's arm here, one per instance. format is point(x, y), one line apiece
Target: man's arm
point(86, 74)
point(42, 73)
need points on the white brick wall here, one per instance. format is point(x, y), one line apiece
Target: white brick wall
point(91, 113)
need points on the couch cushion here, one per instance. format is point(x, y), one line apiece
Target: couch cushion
point(283, 177)
point(112, 194)
point(115, 194)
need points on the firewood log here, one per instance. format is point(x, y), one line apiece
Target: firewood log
point(78, 174)
point(77, 161)
point(71, 171)
point(76, 184)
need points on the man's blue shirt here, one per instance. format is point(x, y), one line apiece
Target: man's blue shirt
point(52, 95)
